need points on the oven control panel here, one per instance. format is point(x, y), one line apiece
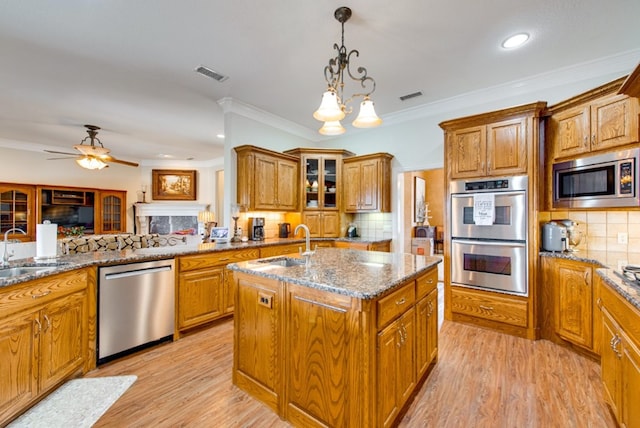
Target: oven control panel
point(487, 185)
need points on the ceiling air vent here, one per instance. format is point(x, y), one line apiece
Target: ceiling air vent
point(211, 73)
point(409, 96)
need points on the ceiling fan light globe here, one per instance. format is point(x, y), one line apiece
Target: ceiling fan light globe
point(89, 162)
point(367, 117)
point(329, 109)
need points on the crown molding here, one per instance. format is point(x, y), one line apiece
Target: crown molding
point(231, 105)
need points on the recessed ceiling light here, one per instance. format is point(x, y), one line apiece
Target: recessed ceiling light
point(164, 156)
point(515, 41)
point(221, 136)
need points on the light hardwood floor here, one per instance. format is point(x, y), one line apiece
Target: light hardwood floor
point(482, 379)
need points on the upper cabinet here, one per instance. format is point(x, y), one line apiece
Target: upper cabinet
point(598, 120)
point(320, 178)
point(113, 214)
point(266, 180)
point(17, 204)
point(367, 183)
point(493, 144)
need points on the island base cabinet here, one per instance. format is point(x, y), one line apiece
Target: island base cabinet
point(320, 349)
point(323, 359)
point(257, 349)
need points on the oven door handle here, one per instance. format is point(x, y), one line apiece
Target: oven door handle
point(489, 243)
point(497, 193)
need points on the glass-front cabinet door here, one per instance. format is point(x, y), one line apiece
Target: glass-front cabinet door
point(16, 211)
point(321, 183)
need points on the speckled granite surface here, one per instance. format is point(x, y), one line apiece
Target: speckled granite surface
point(76, 261)
point(627, 288)
point(361, 274)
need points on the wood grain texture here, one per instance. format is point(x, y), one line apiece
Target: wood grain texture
point(482, 379)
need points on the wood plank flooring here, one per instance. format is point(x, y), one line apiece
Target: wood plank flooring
point(482, 379)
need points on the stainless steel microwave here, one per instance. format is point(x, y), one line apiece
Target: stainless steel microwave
point(600, 181)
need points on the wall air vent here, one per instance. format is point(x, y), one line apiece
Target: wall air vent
point(409, 96)
point(211, 73)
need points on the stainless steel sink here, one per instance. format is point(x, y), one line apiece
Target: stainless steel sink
point(23, 270)
point(284, 261)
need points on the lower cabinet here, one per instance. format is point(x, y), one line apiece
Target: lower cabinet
point(568, 296)
point(620, 357)
point(323, 359)
point(205, 288)
point(44, 337)
point(365, 246)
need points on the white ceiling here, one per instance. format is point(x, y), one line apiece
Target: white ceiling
point(128, 66)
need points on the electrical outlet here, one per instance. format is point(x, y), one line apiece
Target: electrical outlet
point(622, 238)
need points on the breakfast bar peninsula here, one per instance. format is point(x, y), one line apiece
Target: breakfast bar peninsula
point(342, 340)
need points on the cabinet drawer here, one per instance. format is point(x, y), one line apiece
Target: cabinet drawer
point(279, 250)
point(202, 261)
point(42, 290)
point(396, 303)
point(495, 308)
point(426, 283)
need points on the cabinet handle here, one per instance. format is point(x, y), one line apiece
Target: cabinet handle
point(486, 308)
point(37, 332)
point(593, 140)
point(224, 259)
point(401, 301)
point(37, 296)
point(430, 281)
point(599, 303)
point(430, 305)
point(48, 326)
point(615, 341)
point(586, 279)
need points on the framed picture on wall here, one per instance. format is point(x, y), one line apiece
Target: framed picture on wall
point(173, 185)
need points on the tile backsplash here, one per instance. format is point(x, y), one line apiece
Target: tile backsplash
point(614, 233)
point(374, 226)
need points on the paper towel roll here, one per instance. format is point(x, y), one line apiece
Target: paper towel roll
point(46, 240)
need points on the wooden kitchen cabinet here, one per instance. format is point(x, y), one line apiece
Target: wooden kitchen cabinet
point(384, 246)
point(205, 287)
point(620, 356)
point(426, 321)
point(266, 180)
point(493, 144)
point(367, 183)
point(598, 120)
point(568, 298)
point(17, 210)
point(113, 211)
point(322, 224)
point(327, 359)
point(44, 337)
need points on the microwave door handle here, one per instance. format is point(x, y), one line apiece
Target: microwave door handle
point(489, 243)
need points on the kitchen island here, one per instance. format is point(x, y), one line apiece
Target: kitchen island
point(343, 341)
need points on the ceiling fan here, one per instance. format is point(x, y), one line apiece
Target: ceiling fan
point(92, 155)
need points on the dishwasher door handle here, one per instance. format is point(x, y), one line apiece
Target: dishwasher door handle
point(136, 272)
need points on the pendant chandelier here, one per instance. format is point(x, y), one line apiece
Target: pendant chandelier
point(334, 107)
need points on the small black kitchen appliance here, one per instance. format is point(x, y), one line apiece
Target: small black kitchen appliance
point(256, 228)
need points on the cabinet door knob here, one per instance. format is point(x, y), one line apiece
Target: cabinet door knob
point(37, 330)
point(486, 308)
point(37, 296)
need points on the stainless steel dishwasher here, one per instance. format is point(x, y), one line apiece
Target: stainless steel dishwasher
point(136, 307)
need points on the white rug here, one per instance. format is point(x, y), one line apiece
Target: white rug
point(78, 403)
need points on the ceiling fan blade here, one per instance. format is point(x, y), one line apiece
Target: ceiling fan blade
point(60, 158)
point(61, 153)
point(108, 158)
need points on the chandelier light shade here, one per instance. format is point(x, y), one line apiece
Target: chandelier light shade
point(367, 118)
point(332, 128)
point(334, 106)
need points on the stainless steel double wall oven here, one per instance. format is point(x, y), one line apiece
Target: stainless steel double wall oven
point(492, 256)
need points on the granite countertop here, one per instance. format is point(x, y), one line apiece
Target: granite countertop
point(361, 274)
point(105, 258)
point(626, 287)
